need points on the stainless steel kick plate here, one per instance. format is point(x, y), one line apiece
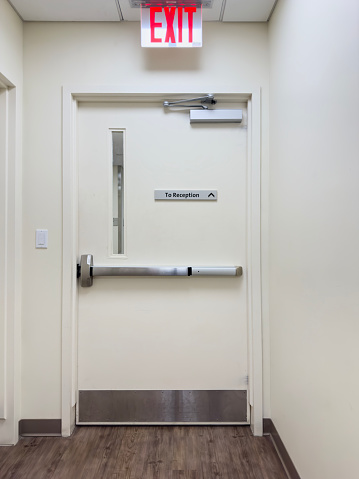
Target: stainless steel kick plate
point(168, 406)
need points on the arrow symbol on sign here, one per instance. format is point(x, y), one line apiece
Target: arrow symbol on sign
point(211, 194)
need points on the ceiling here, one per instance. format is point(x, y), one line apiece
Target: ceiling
point(118, 10)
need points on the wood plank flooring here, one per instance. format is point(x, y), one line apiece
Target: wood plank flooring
point(144, 452)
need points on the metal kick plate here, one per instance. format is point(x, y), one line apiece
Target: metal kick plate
point(169, 406)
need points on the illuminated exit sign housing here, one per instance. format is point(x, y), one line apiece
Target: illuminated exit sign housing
point(176, 27)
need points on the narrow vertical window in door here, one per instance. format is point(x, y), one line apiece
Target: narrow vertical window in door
point(117, 195)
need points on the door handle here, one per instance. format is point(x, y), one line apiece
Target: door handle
point(86, 270)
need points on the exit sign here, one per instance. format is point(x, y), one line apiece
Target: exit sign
point(163, 27)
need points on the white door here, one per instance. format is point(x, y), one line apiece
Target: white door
point(162, 349)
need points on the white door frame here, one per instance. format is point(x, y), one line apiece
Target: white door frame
point(71, 97)
point(10, 264)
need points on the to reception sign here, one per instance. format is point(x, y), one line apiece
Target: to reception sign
point(203, 195)
point(163, 27)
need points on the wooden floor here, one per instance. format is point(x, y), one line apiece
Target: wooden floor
point(166, 452)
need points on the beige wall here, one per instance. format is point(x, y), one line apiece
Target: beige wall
point(233, 56)
point(314, 185)
point(11, 69)
point(11, 30)
point(314, 234)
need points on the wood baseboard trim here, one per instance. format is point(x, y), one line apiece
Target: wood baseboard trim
point(270, 429)
point(40, 427)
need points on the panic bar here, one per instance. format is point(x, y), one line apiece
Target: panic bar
point(86, 270)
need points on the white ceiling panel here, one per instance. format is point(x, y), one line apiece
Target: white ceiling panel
point(111, 10)
point(208, 14)
point(248, 10)
point(67, 10)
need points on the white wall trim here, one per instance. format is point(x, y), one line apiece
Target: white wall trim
point(10, 266)
point(254, 264)
point(71, 96)
point(4, 100)
point(69, 247)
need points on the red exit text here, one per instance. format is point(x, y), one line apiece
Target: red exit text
point(171, 26)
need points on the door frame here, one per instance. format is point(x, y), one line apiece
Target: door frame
point(10, 271)
point(71, 96)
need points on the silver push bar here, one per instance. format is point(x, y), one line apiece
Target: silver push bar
point(86, 270)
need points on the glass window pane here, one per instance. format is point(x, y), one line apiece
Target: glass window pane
point(117, 188)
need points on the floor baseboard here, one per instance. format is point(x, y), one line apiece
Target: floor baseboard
point(40, 427)
point(270, 429)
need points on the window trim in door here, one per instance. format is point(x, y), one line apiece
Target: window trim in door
point(71, 97)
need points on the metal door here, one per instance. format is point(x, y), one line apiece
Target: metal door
point(162, 349)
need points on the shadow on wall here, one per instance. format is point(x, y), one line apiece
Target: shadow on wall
point(171, 59)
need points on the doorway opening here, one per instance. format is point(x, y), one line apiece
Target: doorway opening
point(73, 101)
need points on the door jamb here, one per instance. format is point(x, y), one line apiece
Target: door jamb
point(70, 98)
point(11, 269)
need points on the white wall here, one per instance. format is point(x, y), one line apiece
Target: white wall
point(314, 234)
point(11, 57)
point(10, 43)
point(233, 56)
